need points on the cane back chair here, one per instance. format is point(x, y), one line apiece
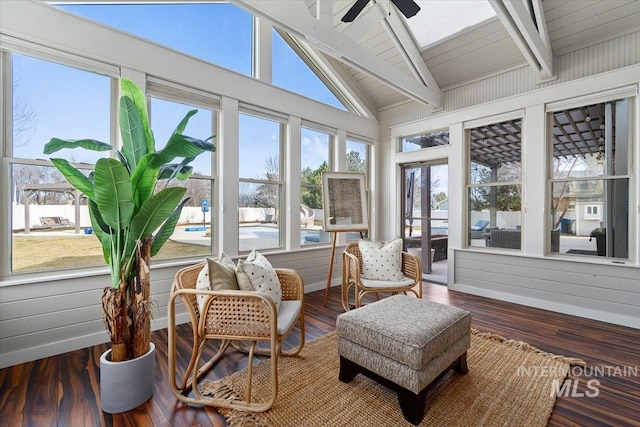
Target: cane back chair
point(233, 317)
point(352, 277)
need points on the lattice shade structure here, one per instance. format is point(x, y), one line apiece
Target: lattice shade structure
point(577, 131)
point(497, 143)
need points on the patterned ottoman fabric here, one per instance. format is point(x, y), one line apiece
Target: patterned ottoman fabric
point(406, 341)
point(409, 330)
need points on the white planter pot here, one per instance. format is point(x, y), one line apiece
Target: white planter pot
point(126, 385)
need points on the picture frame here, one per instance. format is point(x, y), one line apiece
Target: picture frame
point(344, 198)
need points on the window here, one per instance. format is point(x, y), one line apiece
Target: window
point(52, 100)
point(592, 212)
point(590, 169)
point(260, 188)
point(314, 152)
point(193, 234)
point(290, 72)
point(358, 161)
point(217, 32)
point(357, 157)
point(428, 140)
point(494, 185)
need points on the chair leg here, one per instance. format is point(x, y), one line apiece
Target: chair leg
point(198, 373)
point(296, 350)
point(250, 371)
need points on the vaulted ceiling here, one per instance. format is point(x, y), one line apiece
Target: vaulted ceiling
point(375, 62)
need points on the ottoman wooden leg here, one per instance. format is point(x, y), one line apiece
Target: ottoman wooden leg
point(412, 404)
point(348, 370)
point(461, 364)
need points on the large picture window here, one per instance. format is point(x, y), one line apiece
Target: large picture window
point(52, 100)
point(590, 175)
point(193, 235)
point(260, 186)
point(494, 185)
point(315, 159)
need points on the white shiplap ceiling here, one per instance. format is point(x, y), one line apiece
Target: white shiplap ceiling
point(377, 59)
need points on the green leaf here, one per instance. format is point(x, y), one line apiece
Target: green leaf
point(167, 228)
point(101, 230)
point(134, 142)
point(130, 90)
point(113, 193)
point(176, 170)
point(181, 146)
point(183, 123)
point(75, 177)
point(56, 144)
point(155, 211)
point(143, 180)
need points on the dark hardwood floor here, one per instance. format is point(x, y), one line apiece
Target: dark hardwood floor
point(63, 390)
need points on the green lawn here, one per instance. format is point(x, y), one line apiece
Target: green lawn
point(34, 253)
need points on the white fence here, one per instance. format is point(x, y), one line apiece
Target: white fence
point(189, 215)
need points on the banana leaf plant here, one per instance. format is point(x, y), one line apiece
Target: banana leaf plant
point(130, 215)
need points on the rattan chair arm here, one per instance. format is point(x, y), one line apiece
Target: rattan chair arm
point(291, 283)
point(411, 266)
point(353, 267)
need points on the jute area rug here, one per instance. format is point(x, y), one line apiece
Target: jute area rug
point(509, 383)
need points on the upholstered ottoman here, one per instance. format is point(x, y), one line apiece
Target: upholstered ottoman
point(404, 343)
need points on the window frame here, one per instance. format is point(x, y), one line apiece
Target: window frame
point(632, 169)
point(179, 94)
point(467, 127)
point(283, 122)
point(12, 46)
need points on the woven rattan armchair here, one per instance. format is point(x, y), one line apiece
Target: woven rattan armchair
point(232, 318)
point(352, 277)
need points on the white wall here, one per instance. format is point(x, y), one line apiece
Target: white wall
point(602, 289)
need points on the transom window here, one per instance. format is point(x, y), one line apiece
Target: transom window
point(217, 32)
point(427, 140)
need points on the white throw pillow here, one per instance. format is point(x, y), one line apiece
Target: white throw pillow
point(216, 275)
point(259, 272)
point(381, 261)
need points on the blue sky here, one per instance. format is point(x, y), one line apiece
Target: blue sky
point(219, 33)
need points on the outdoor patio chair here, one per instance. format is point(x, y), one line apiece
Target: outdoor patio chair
point(475, 231)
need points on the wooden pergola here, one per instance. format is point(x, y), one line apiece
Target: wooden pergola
point(61, 187)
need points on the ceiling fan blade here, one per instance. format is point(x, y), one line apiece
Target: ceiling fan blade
point(354, 11)
point(408, 7)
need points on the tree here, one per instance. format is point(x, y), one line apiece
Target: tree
point(354, 162)
point(268, 195)
point(311, 191)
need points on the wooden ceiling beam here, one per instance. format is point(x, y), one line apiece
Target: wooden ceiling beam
point(532, 40)
point(294, 17)
point(406, 45)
